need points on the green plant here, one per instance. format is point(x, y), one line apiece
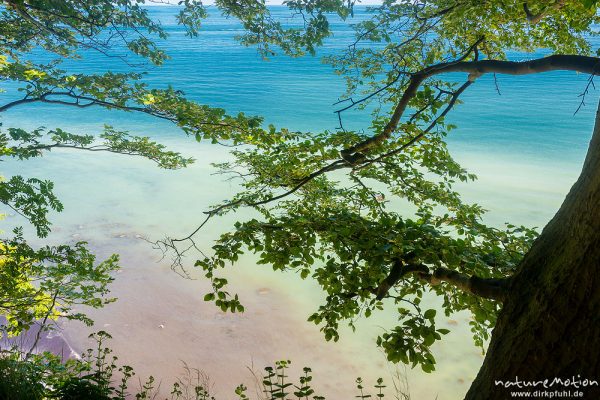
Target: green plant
point(98, 376)
point(20, 380)
point(194, 384)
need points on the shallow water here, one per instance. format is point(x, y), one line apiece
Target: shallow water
point(525, 144)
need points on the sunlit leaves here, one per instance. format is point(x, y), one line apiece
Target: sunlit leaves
point(124, 143)
point(49, 282)
point(126, 92)
point(22, 144)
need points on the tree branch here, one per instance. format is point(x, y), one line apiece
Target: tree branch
point(454, 97)
point(15, 103)
point(535, 18)
point(489, 288)
point(91, 101)
point(45, 98)
point(397, 272)
point(584, 64)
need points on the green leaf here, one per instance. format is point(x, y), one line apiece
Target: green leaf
point(429, 314)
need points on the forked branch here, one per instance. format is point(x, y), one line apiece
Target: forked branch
point(475, 69)
point(535, 18)
point(489, 288)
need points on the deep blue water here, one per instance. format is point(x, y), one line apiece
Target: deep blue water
point(532, 118)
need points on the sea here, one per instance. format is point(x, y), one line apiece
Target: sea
point(521, 135)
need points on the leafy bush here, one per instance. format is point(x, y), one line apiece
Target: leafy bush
point(20, 380)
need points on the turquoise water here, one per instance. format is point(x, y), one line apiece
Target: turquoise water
point(533, 115)
point(525, 144)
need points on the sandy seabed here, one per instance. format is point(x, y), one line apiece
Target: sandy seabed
point(160, 322)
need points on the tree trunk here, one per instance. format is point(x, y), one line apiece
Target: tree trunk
point(549, 326)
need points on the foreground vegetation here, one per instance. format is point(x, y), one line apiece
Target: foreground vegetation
point(97, 376)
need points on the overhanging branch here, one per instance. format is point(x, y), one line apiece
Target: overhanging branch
point(54, 97)
point(489, 288)
point(583, 64)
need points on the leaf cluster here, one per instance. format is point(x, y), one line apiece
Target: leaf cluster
point(41, 285)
